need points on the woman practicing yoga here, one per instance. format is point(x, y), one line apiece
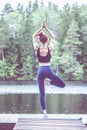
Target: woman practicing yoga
point(44, 52)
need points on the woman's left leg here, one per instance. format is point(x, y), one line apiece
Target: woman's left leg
point(55, 79)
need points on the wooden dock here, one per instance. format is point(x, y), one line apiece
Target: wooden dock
point(49, 124)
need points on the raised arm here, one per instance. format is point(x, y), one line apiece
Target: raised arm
point(48, 30)
point(52, 41)
point(34, 38)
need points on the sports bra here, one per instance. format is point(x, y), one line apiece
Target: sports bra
point(43, 59)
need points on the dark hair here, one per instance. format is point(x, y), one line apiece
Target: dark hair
point(42, 37)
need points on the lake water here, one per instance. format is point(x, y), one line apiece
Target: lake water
point(24, 98)
point(56, 103)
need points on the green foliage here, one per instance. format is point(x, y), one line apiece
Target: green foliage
point(55, 57)
point(3, 69)
point(11, 56)
point(14, 20)
point(70, 68)
point(7, 8)
point(69, 25)
point(71, 48)
point(27, 68)
point(4, 33)
point(11, 71)
point(84, 50)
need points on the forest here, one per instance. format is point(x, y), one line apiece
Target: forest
point(69, 24)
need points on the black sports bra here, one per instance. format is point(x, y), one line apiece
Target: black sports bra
point(43, 59)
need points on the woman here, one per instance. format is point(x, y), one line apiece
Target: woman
point(45, 71)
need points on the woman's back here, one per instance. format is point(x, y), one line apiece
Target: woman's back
point(43, 55)
point(43, 51)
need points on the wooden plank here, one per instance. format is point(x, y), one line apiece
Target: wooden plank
point(63, 122)
point(52, 121)
point(49, 124)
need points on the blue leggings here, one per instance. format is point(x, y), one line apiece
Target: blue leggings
point(47, 72)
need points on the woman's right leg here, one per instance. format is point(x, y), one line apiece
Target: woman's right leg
point(41, 85)
point(42, 93)
point(42, 96)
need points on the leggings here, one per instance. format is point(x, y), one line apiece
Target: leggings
point(47, 72)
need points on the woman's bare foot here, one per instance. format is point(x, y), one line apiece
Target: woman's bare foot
point(47, 81)
point(45, 114)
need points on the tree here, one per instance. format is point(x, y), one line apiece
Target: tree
point(11, 56)
point(83, 28)
point(25, 42)
point(66, 18)
point(14, 23)
point(69, 26)
point(55, 57)
point(84, 50)
point(35, 5)
point(27, 68)
point(7, 8)
point(3, 69)
point(4, 32)
point(70, 49)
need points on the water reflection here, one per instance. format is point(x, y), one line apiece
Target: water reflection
point(56, 103)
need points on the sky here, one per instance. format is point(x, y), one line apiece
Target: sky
point(60, 3)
